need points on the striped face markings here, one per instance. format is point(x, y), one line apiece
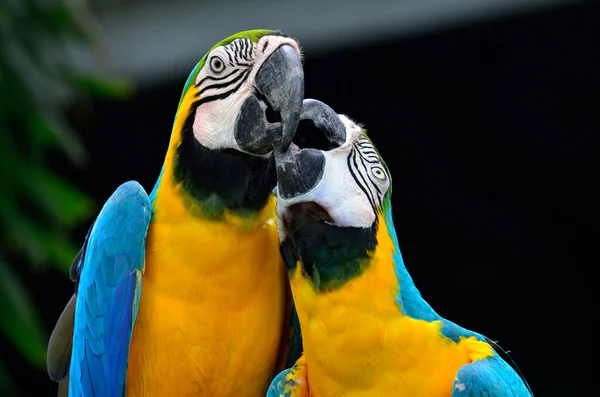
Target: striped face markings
point(226, 69)
point(353, 182)
point(368, 171)
point(238, 84)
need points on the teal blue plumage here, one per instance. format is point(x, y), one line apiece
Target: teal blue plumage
point(488, 378)
point(111, 265)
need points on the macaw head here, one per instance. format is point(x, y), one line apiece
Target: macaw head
point(330, 200)
point(243, 98)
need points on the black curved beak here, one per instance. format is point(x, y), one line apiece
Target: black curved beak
point(299, 169)
point(279, 85)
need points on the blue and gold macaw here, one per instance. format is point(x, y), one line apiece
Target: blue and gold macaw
point(183, 291)
point(366, 330)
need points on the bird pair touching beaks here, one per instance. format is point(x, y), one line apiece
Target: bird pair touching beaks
point(263, 262)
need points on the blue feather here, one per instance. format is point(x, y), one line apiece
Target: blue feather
point(108, 291)
point(491, 377)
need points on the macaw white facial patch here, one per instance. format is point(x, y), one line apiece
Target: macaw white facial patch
point(224, 83)
point(353, 184)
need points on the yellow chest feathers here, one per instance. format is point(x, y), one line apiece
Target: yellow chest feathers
point(357, 342)
point(211, 311)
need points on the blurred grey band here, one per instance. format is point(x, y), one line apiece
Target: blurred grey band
point(155, 40)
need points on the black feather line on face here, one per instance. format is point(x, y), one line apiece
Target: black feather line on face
point(222, 180)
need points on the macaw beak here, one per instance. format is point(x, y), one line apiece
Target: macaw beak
point(279, 85)
point(299, 170)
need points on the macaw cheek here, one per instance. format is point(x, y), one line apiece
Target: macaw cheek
point(345, 202)
point(213, 126)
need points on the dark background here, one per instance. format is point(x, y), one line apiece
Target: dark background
point(490, 132)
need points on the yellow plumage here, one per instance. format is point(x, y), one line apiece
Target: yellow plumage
point(211, 311)
point(357, 342)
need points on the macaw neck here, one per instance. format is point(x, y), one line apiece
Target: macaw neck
point(331, 255)
point(209, 183)
point(373, 327)
point(409, 297)
point(361, 328)
point(345, 261)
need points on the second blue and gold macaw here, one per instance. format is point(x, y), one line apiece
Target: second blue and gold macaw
point(183, 292)
point(366, 331)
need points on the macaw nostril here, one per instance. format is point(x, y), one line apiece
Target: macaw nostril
point(265, 46)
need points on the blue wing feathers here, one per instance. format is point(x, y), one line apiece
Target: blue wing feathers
point(491, 377)
point(108, 291)
point(120, 332)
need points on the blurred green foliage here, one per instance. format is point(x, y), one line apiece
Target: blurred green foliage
point(38, 207)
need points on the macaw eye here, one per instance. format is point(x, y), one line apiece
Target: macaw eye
point(378, 173)
point(216, 64)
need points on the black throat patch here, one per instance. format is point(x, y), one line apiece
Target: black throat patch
point(222, 180)
point(329, 255)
